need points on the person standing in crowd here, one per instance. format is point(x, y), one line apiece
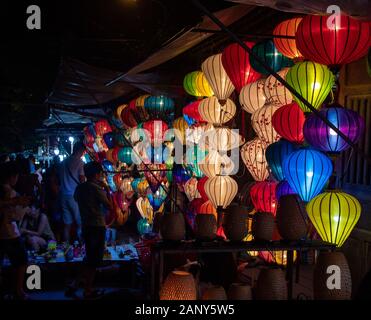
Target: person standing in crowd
point(12, 210)
point(71, 174)
point(28, 183)
point(92, 199)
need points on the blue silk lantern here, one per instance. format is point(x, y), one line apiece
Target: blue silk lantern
point(275, 154)
point(144, 226)
point(125, 155)
point(109, 139)
point(189, 120)
point(111, 182)
point(107, 165)
point(307, 171)
point(156, 199)
point(159, 106)
point(181, 175)
point(283, 189)
point(267, 52)
point(321, 136)
point(135, 182)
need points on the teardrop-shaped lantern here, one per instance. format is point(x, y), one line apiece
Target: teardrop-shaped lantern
point(276, 154)
point(312, 80)
point(252, 96)
point(283, 189)
point(156, 131)
point(181, 126)
point(217, 77)
point(321, 136)
point(190, 85)
point(213, 112)
point(261, 121)
point(223, 139)
point(253, 155)
point(216, 164)
point(190, 189)
point(197, 132)
point(207, 208)
point(203, 85)
point(201, 188)
point(157, 198)
point(221, 190)
point(191, 110)
point(263, 196)
point(333, 41)
point(288, 121)
point(195, 155)
point(159, 107)
point(125, 155)
point(267, 52)
point(307, 172)
point(287, 46)
point(334, 214)
point(275, 91)
point(155, 175)
point(236, 63)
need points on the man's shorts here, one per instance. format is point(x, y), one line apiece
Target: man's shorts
point(15, 250)
point(94, 238)
point(70, 210)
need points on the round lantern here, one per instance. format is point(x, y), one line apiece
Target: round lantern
point(307, 172)
point(223, 139)
point(253, 155)
point(159, 106)
point(101, 127)
point(283, 189)
point(312, 80)
point(190, 189)
point(144, 227)
point(201, 188)
point(267, 52)
point(261, 121)
point(221, 190)
point(252, 96)
point(345, 40)
point(237, 65)
point(128, 118)
point(263, 196)
point(215, 164)
point(321, 136)
point(288, 121)
point(181, 126)
point(275, 91)
point(203, 85)
point(125, 155)
point(190, 84)
point(217, 77)
point(275, 154)
point(334, 214)
point(285, 45)
point(213, 112)
point(179, 285)
point(156, 130)
point(191, 110)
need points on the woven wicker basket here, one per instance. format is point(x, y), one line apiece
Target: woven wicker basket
point(321, 277)
point(172, 226)
point(179, 285)
point(291, 217)
point(263, 226)
point(205, 227)
point(235, 223)
point(214, 293)
point(239, 291)
point(271, 285)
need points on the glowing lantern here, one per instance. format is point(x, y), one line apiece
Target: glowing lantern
point(126, 187)
point(346, 40)
point(197, 132)
point(275, 154)
point(117, 179)
point(193, 157)
point(125, 155)
point(307, 172)
point(277, 257)
point(101, 127)
point(217, 77)
point(275, 91)
point(112, 155)
point(155, 174)
point(221, 190)
point(144, 227)
point(252, 96)
point(139, 104)
point(119, 110)
point(213, 112)
point(143, 187)
point(284, 45)
point(190, 189)
point(157, 198)
point(190, 85)
point(121, 201)
point(321, 136)
point(253, 155)
point(181, 126)
point(201, 188)
point(128, 118)
point(283, 189)
point(288, 121)
point(216, 164)
point(207, 208)
point(261, 121)
point(203, 85)
point(267, 52)
point(179, 285)
point(156, 130)
point(263, 196)
point(223, 139)
point(135, 183)
point(312, 80)
point(145, 209)
point(334, 215)
point(159, 106)
point(108, 139)
point(237, 65)
point(180, 174)
point(191, 110)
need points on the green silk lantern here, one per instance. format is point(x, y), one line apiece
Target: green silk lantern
point(312, 80)
point(125, 155)
point(190, 84)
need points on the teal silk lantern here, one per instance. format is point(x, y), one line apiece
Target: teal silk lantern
point(194, 156)
point(125, 155)
point(144, 226)
point(156, 199)
point(267, 52)
point(159, 107)
point(307, 171)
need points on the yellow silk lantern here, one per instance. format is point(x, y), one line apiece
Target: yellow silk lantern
point(145, 209)
point(253, 155)
point(126, 187)
point(119, 110)
point(216, 164)
point(218, 79)
point(181, 126)
point(203, 85)
point(179, 285)
point(252, 96)
point(261, 121)
point(275, 91)
point(334, 215)
point(213, 112)
point(221, 190)
point(142, 187)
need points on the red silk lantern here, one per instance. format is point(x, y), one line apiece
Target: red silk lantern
point(196, 204)
point(263, 196)
point(127, 117)
point(288, 121)
point(101, 127)
point(191, 110)
point(156, 129)
point(201, 188)
point(284, 45)
point(343, 41)
point(236, 63)
point(207, 208)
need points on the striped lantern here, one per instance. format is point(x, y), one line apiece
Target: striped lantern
point(221, 190)
point(194, 156)
point(275, 91)
point(216, 164)
point(203, 85)
point(252, 96)
point(207, 208)
point(190, 85)
point(261, 121)
point(213, 112)
point(190, 189)
point(181, 126)
point(217, 77)
point(283, 189)
point(288, 121)
point(334, 214)
point(253, 155)
point(307, 171)
point(263, 196)
point(191, 110)
point(223, 139)
point(159, 106)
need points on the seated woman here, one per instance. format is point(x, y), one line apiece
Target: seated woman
point(36, 229)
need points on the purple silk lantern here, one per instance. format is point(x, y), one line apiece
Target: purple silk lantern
point(321, 136)
point(283, 189)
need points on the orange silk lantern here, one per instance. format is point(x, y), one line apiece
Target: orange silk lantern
point(285, 45)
